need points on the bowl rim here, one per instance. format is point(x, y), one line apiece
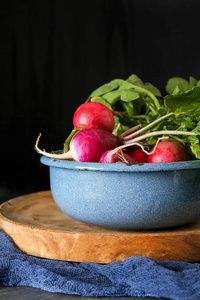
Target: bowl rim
point(120, 167)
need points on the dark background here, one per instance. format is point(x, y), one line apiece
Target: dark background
point(55, 53)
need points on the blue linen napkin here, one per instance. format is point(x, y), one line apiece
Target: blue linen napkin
point(135, 276)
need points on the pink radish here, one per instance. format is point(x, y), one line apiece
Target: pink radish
point(93, 115)
point(87, 145)
point(168, 151)
point(137, 153)
point(116, 158)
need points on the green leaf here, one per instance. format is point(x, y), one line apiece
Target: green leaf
point(150, 87)
point(188, 103)
point(181, 84)
point(135, 80)
point(129, 107)
point(174, 82)
point(129, 95)
point(185, 123)
point(123, 84)
point(106, 88)
point(101, 100)
point(112, 97)
point(126, 120)
point(123, 122)
point(176, 91)
point(192, 82)
point(195, 146)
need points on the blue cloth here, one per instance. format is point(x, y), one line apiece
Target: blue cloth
point(135, 276)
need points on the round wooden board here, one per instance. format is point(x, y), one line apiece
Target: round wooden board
point(38, 227)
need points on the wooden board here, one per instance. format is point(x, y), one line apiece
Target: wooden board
point(38, 227)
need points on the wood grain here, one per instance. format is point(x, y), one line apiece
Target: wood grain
point(38, 227)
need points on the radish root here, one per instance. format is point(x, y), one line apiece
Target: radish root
point(122, 157)
point(66, 155)
point(117, 149)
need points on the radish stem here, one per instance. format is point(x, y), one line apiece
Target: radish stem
point(154, 133)
point(69, 138)
point(147, 127)
point(150, 94)
point(138, 117)
point(133, 129)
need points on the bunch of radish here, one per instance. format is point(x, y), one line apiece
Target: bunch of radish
point(93, 140)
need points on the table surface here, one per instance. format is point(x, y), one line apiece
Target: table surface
point(24, 293)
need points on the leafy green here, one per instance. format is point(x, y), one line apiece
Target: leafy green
point(174, 82)
point(195, 146)
point(138, 104)
point(128, 95)
point(182, 84)
point(121, 92)
point(102, 101)
point(106, 88)
point(112, 97)
point(188, 102)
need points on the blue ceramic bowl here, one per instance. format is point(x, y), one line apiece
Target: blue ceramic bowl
point(128, 197)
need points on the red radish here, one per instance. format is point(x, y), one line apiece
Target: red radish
point(168, 151)
point(116, 157)
point(87, 145)
point(94, 115)
point(137, 153)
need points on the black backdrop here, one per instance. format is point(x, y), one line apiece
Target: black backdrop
point(54, 53)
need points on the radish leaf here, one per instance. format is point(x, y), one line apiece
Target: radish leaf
point(188, 102)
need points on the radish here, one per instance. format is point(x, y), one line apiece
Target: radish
point(94, 115)
point(168, 151)
point(119, 156)
point(138, 154)
point(87, 145)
